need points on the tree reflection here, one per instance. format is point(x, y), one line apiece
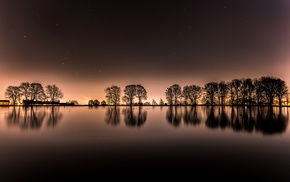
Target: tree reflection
point(174, 115)
point(260, 119)
point(190, 116)
point(33, 117)
point(54, 117)
point(131, 119)
point(113, 115)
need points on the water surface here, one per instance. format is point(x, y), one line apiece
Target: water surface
point(208, 142)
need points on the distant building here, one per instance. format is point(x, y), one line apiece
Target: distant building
point(4, 102)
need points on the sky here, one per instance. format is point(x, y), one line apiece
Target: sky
point(85, 46)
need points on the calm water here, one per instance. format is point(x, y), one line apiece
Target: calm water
point(69, 142)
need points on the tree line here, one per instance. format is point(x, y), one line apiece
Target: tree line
point(265, 90)
point(33, 92)
point(246, 91)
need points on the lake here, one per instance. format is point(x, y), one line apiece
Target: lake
point(81, 142)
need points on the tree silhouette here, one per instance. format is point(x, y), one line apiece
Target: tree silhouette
point(222, 92)
point(211, 90)
point(53, 92)
point(173, 94)
point(247, 89)
point(113, 95)
point(37, 92)
point(13, 93)
point(141, 93)
point(161, 102)
point(130, 93)
point(154, 103)
point(25, 90)
point(235, 89)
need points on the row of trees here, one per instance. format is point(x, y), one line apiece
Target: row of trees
point(33, 92)
point(245, 91)
point(132, 91)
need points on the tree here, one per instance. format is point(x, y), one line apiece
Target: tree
point(103, 103)
point(222, 92)
point(53, 92)
point(25, 90)
point(186, 94)
point(173, 94)
point(154, 103)
point(235, 89)
point(273, 87)
point(13, 93)
point(281, 90)
point(130, 93)
point(169, 95)
point(37, 92)
point(96, 102)
point(194, 93)
point(113, 94)
point(259, 96)
point(126, 100)
point(161, 102)
point(211, 90)
point(141, 93)
point(91, 103)
point(247, 89)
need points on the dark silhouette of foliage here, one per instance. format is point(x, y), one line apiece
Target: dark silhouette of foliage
point(235, 90)
point(222, 92)
point(13, 93)
point(141, 93)
point(37, 92)
point(173, 94)
point(154, 103)
point(161, 102)
point(103, 103)
point(25, 90)
point(53, 92)
point(113, 95)
point(211, 90)
point(130, 93)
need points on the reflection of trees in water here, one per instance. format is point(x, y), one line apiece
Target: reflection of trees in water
point(32, 117)
point(261, 119)
point(270, 122)
point(134, 120)
point(113, 115)
point(174, 115)
point(54, 117)
point(190, 116)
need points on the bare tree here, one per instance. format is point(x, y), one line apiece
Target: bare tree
point(141, 93)
point(25, 90)
point(130, 93)
point(37, 91)
point(53, 92)
point(113, 95)
point(13, 93)
point(211, 90)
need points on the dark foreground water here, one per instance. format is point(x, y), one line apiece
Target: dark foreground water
point(229, 143)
